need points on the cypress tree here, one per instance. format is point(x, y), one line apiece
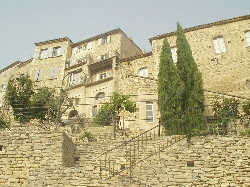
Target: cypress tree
point(170, 91)
point(193, 96)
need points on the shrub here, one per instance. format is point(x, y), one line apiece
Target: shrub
point(89, 136)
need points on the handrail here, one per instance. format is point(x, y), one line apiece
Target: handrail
point(126, 142)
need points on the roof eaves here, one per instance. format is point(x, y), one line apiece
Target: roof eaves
point(97, 37)
point(203, 26)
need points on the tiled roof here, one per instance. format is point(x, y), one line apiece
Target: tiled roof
point(240, 18)
point(53, 41)
point(98, 36)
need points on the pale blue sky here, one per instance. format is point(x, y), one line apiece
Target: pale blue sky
point(24, 22)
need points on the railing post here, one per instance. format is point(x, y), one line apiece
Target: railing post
point(109, 169)
point(159, 131)
point(100, 168)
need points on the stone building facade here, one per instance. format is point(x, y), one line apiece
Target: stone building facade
point(92, 69)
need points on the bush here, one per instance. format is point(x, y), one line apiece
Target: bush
point(245, 133)
point(89, 136)
point(225, 110)
point(3, 123)
point(111, 109)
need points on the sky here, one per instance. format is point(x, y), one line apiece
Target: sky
point(25, 22)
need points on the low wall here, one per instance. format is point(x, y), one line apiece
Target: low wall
point(31, 156)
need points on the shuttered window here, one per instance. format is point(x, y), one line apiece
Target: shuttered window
point(149, 112)
point(219, 45)
point(143, 72)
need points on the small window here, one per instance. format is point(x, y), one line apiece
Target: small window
point(53, 73)
point(143, 72)
point(94, 110)
point(219, 45)
point(247, 35)
point(38, 75)
point(56, 51)
point(149, 112)
point(100, 95)
point(43, 53)
point(174, 54)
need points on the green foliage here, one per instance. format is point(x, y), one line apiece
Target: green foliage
point(225, 110)
point(89, 136)
point(245, 116)
point(3, 121)
point(245, 132)
point(18, 94)
point(104, 115)
point(27, 104)
point(170, 90)
point(111, 109)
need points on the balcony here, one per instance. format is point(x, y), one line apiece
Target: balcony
point(71, 64)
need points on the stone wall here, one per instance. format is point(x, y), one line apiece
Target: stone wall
point(31, 156)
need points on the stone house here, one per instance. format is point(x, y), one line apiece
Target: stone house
point(90, 70)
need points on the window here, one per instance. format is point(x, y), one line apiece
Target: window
point(53, 73)
point(219, 45)
point(104, 40)
point(149, 112)
point(100, 95)
point(247, 35)
point(94, 110)
point(174, 54)
point(74, 79)
point(43, 53)
point(38, 75)
point(143, 72)
point(56, 51)
point(103, 76)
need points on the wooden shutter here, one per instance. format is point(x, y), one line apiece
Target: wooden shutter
point(216, 45)
point(222, 44)
point(37, 53)
point(108, 38)
point(247, 34)
point(61, 51)
point(50, 52)
point(100, 41)
point(174, 54)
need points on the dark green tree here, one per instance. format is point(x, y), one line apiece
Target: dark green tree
point(170, 91)
point(193, 96)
